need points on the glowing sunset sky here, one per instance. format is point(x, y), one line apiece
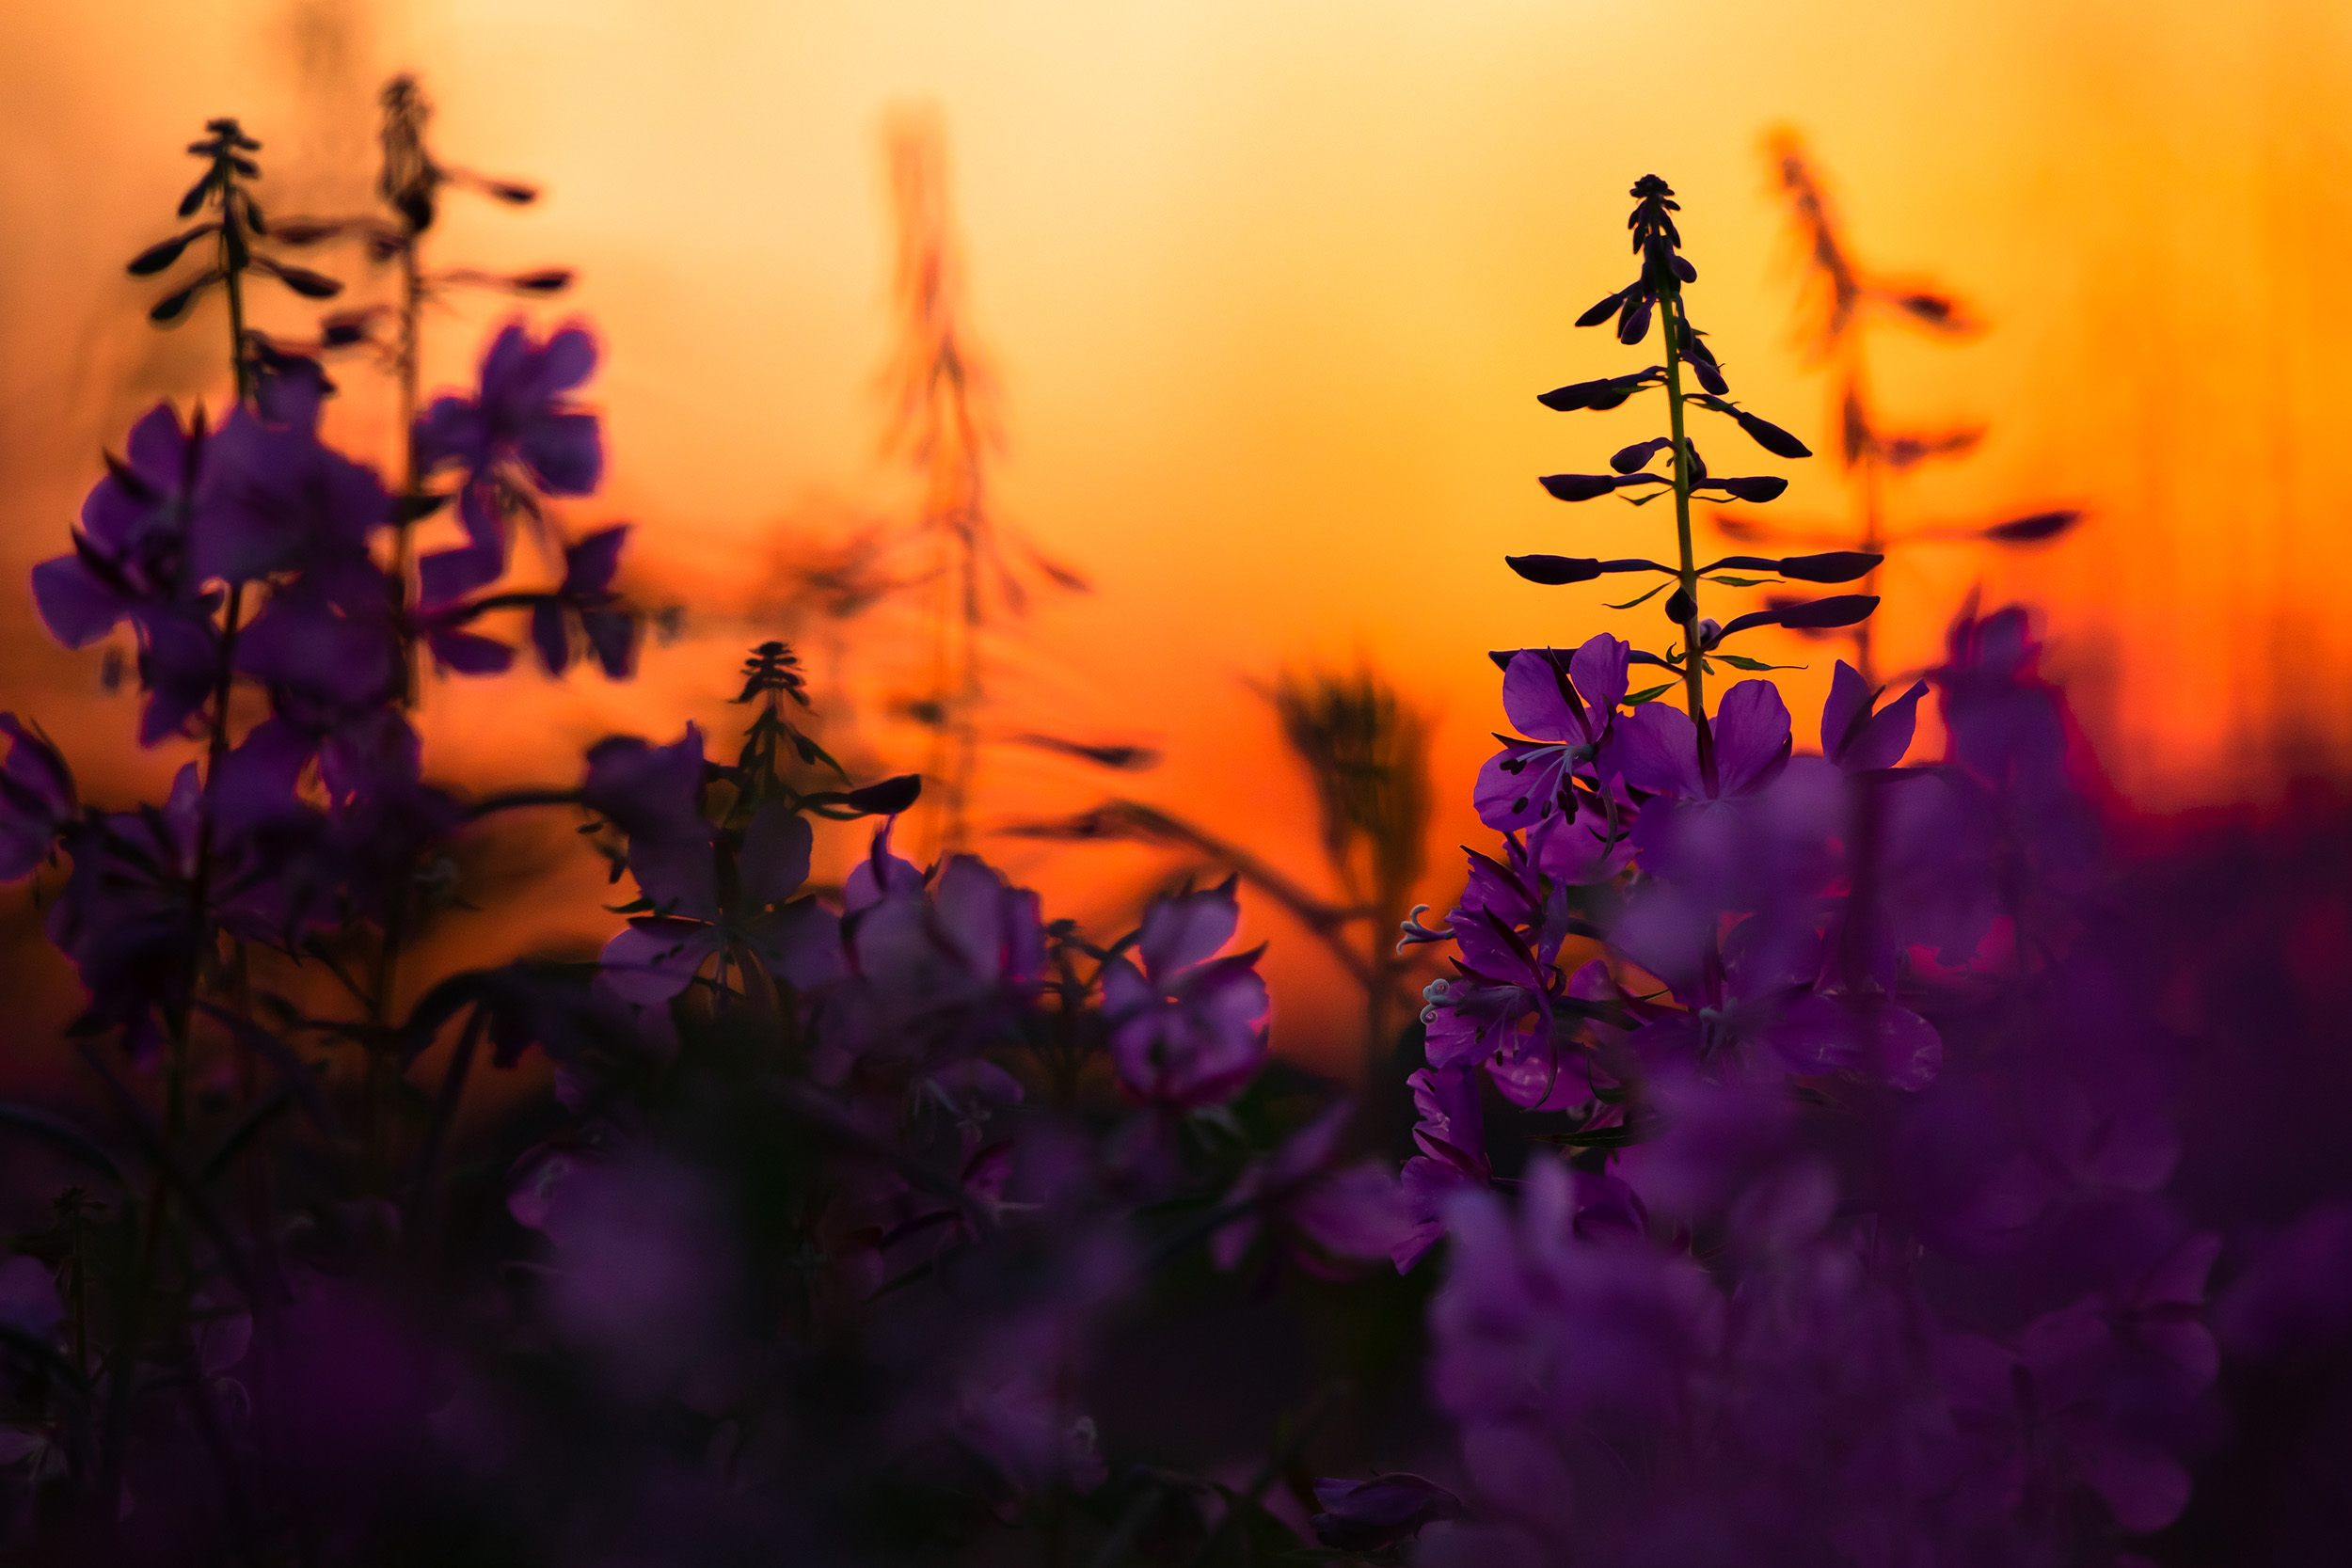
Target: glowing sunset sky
point(1270, 287)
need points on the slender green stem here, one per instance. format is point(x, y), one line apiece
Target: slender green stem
point(1672, 326)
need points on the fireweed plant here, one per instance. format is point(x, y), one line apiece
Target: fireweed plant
point(809, 1250)
point(1845, 1240)
point(1850, 1232)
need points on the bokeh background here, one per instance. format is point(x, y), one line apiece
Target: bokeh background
point(1267, 291)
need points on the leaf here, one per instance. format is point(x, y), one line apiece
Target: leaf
point(546, 280)
point(1650, 695)
point(61, 1136)
point(1651, 595)
point(1739, 661)
point(1740, 582)
point(1554, 570)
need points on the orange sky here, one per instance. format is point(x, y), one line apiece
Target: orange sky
point(1270, 287)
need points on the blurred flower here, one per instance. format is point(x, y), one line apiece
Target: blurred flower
point(1183, 1025)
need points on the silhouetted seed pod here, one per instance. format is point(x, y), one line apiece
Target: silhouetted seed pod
point(886, 798)
point(1759, 488)
point(2035, 528)
point(172, 307)
point(1637, 456)
point(1635, 326)
point(308, 284)
point(197, 192)
point(1684, 270)
point(514, 193)
point(247, 166)
point(1771, 438)
point(155, 258)
point(1553, 571)
point(1578, 488)
point(1829, 567)
point(1699, 464)
point(1709, 377)
point(1605, 310)
point(548, 280)
point(1678, 607)
point(1841, 610)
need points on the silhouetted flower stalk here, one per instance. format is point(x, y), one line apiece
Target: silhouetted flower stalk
point(1845, 301)
point(942, 419)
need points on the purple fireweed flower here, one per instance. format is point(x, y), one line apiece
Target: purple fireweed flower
point(1858, 739)
point(1539, 1328)
point(1499, 1001)
point(281, 500)
point(586, 597)
point(1451, 1138)
point(1184, 1023)
point(1373, 1515)
point(2295, 1298)
point(1658, 746)
point(659, 956)
point(653, 795)
point(1319, 1208)
point(130, 552)
point(939, 967)
point(322, 651)
point(517, 428)
point(37, 800)
point(2090, 1393)
point(1568, 707)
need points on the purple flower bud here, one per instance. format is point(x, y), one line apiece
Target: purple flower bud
point(1373, 1515)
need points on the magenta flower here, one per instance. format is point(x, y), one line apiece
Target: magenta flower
point(1452, 1140)
point(37, 800)
point(1375, 1514)
point(586, 599)
point(518, 433)
point(1529, 784)
point(653, 794)
point(1858, 739)
point(1184, 1023)
point(1658, 746)
point(1319, 1208)
point(659, 956)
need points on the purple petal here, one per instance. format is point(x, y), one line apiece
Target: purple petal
point(1532, 696)
point(1657, 748)
point(1182, 931)
point(445, 577)
point(468, 653)
point(773, 861)
point(1887, 734)
point(549, 636)
point(1751, 735)
point(655, 960)
point(589, 565)
point(568, 359)
point(74, 605)
point(1598, 668)
point(1848, 699)
point(564, 451)
point(452, 431)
